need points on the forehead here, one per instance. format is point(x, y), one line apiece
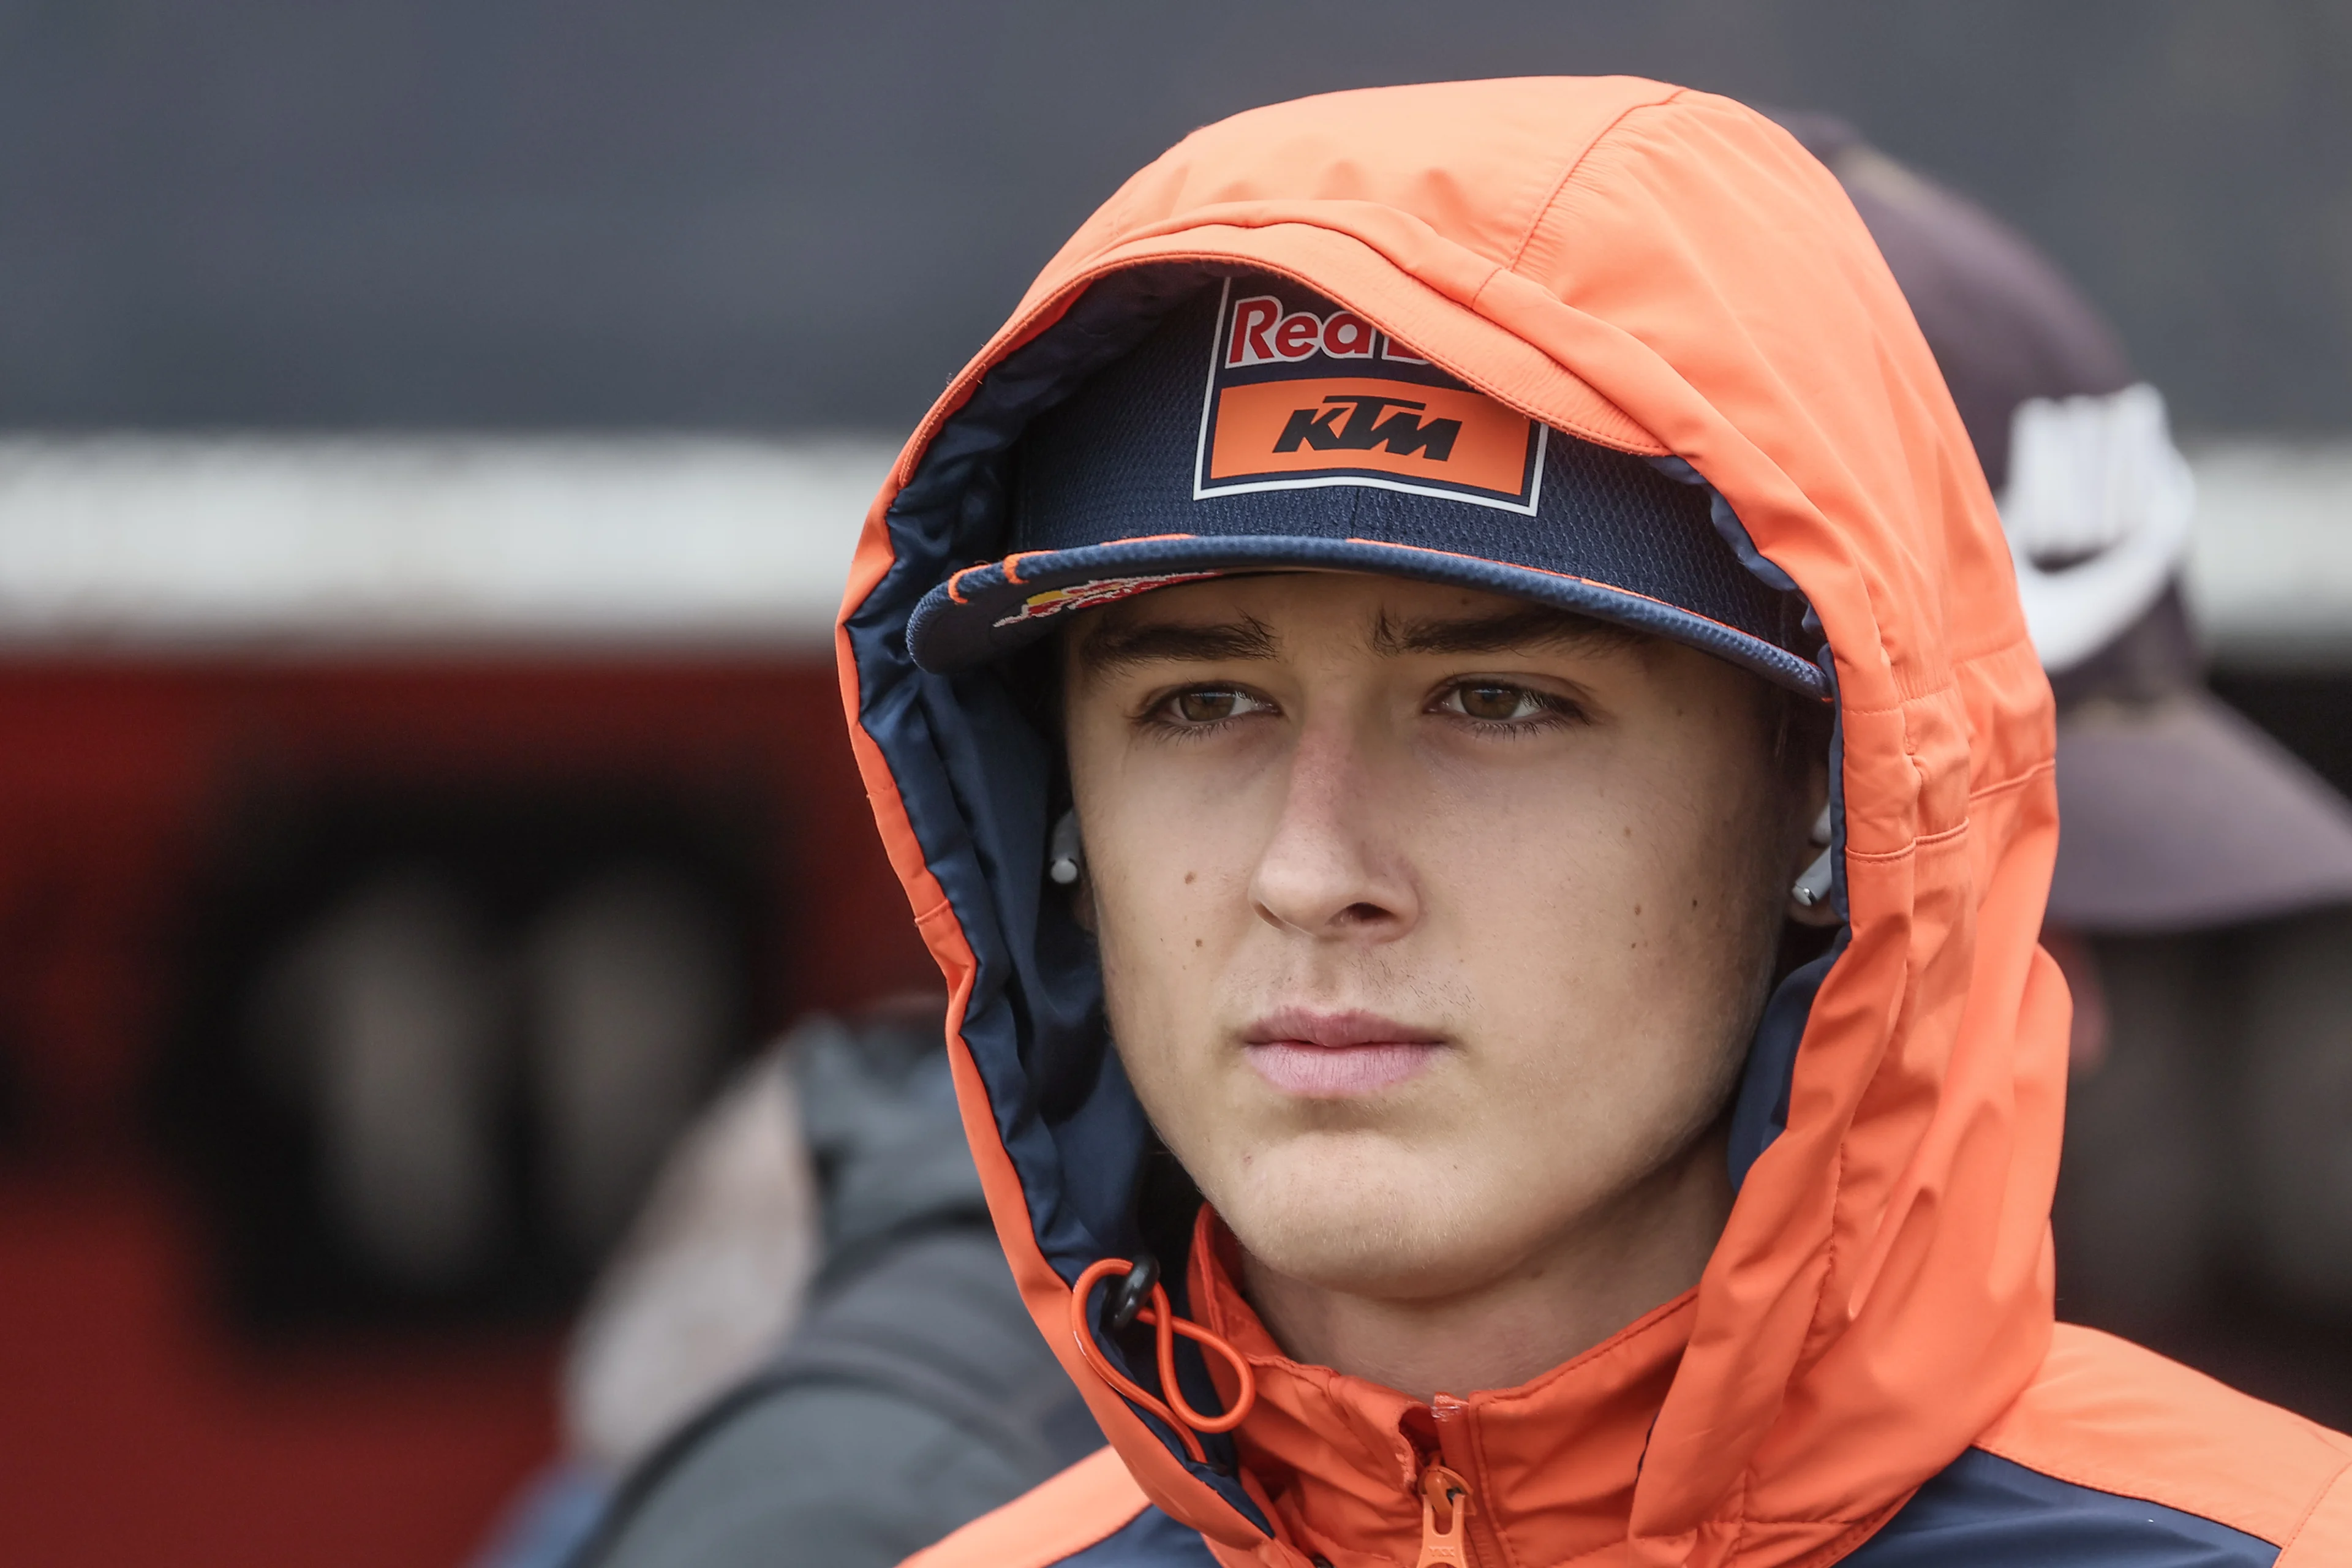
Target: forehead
point(1268, 616)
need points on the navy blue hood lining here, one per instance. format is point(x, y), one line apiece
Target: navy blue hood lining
point(976, 774)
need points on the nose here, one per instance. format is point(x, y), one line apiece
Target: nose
point(1333, 868)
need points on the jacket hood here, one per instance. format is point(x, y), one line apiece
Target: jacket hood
point(1668, 274)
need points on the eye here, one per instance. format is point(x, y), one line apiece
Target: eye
point(1204, 705)
point(1494, 704)
point(1500, 702)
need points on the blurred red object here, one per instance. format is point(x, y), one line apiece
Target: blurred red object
point(135, 1435)
point(138, 1426)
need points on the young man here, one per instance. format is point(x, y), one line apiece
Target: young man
point(1350, 677)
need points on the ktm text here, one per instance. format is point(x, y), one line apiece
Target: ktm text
point(1402, 432)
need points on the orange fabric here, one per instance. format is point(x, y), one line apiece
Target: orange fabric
point(2324, 1535)
point(1664, 271)
point(2108, 1415)
point(1092, 1499)
point(1553, 1461)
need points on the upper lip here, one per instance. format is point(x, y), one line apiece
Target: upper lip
point(1334, 1030)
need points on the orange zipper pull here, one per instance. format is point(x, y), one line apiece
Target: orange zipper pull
point(1443, 1495)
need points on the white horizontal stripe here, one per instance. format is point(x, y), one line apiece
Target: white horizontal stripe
point(2270, 557)
point(692, 541)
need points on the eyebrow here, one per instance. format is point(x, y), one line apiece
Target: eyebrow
point(1119, 649)
point(1536, 626)
point(1116, 648)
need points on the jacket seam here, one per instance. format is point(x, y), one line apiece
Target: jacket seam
point(1901, 703)
point(1551, 197)
point(1956, 662)
point(1744, 1519)
point(1995, 650)
point(1858, 1533)
point(1844, 1522)
point(2014, 781)
point(1911, 698)
point(1930, 840)
point(1918, 842)
point(2319, 1496)
point(1832, 1250)
point(1658, 1318)
point(2074, 1477)
point(1485, 1475)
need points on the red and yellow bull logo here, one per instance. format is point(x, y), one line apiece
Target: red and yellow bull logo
point(1101, 591)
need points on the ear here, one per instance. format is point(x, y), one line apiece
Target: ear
point(1814, 866)
point(1066, 864)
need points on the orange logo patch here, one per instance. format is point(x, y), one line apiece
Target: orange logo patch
point(1295, 399)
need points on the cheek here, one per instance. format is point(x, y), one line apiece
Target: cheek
point(1613, 938)
point(1171, 845)
point(1599, 875)
point(1156, 921)
point(1169, 869)
point(1168, 913)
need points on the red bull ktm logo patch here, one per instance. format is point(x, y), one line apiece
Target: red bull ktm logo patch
point(1298, 398)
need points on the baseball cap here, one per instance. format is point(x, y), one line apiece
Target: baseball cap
point(1260, 427)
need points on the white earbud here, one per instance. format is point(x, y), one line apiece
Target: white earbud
point(1813, 885)
point(1064, 854)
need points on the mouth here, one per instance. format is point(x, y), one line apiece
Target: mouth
point(1336, 1056)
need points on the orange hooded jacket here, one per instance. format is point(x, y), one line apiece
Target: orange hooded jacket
point(1868, 1370)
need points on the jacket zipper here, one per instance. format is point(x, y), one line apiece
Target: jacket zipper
point(1444, 1519)
point(1476, 1539)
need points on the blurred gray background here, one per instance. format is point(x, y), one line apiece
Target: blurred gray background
point(512, 214)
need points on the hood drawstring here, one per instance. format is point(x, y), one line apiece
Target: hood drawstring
point(1187, 1422)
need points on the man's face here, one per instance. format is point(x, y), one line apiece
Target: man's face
point(1433, 925)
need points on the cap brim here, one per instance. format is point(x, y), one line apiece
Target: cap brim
point(2181, 814)
point(986, 612)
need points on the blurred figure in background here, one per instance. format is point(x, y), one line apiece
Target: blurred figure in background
point(428, 1046)
point(2199, 906)
point(810, 1347)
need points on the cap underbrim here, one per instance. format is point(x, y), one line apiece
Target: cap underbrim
point(2181, 814)
point(986, 612)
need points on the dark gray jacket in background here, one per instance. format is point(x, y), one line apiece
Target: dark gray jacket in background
point(915, 1396)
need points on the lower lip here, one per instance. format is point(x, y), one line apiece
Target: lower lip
point(1339, 1072)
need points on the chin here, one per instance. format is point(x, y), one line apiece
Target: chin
point(1358, 1215)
